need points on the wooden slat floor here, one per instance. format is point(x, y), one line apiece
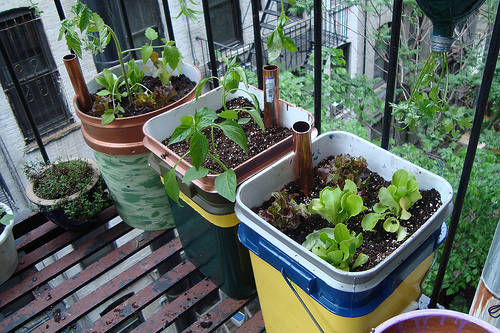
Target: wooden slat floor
point(113, 278)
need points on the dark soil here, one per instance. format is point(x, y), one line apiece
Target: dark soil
point(377, 244)
point(182, 85)
point(229, 152)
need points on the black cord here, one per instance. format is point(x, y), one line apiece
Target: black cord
point(494, 311)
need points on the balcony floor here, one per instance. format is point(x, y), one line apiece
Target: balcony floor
point(112, 277)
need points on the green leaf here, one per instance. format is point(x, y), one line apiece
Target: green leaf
point(370, 220)
point(198, 148)
point(334, 257)
point(146, 52)
point(193, 174)
point(225, 184)
point(234, 132)
point(108, 117)
point(200, 86)
point(391, 224)
point(360, 260)
point(103, 92)
point(229, 114)
point(274, 46)
point(171, 185)
point(288, 44)
point(401, 233)
point(151, 34)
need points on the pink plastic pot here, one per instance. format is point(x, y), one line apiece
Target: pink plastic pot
point(435, 321)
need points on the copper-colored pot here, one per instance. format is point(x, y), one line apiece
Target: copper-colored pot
point(123, 136)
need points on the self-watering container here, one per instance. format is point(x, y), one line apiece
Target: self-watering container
point(206, 221)
point(207, 228)
point(339, 301)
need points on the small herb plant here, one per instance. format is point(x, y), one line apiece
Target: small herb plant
point(336, 205)
point(64, 178)
point(337, 246)
point(284, 212)
point(394, 202)
point(198, 130)
point(91, 25)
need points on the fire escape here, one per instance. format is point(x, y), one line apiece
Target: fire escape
point(300, 28)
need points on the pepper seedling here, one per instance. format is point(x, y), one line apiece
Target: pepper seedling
point(192, 129)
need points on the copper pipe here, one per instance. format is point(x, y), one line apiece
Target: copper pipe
point(271, 96)
point(303, 156)
point(76, 76)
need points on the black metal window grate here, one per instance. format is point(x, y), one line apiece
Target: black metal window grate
point(22, 36)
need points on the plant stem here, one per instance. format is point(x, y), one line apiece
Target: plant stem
point(122, 64)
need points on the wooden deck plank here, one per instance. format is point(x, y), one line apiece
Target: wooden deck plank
point(49, 298)
point(173, 311)
point(34, 279)
point(253, 325)
point(212, 319)
point(51, 311)
point(111, 288)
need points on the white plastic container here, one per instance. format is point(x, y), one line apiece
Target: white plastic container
point(342, 301)
point(8, 252)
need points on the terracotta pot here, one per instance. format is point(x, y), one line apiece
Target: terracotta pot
point(58, 216)
point(123, 136)
point(8, 251)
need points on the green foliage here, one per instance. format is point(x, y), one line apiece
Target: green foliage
point(192, 130)
point(480, 214)
point(188, 12)
point(284, 212)
point(337, 246)
point(397, 198)
point(65, 178)
point(336, 205)
point(94, 36)
point(277, 40)
point(5, 218)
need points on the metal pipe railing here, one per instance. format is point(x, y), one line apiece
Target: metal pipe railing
point(210, 38)
point(392, 71)
point(318, 73)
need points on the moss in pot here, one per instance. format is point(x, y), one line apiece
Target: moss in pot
point(68, 192)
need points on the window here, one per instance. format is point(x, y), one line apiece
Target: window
point(381, 63)
point(129, 19)
point(23, 38)
point(226, 21)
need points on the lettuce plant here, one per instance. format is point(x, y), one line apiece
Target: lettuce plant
point(343, 167)
point(284, 213)
point(394, 202)
point(336, 246)
point(336, 205)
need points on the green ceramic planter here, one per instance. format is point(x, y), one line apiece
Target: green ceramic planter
point(139, 195)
